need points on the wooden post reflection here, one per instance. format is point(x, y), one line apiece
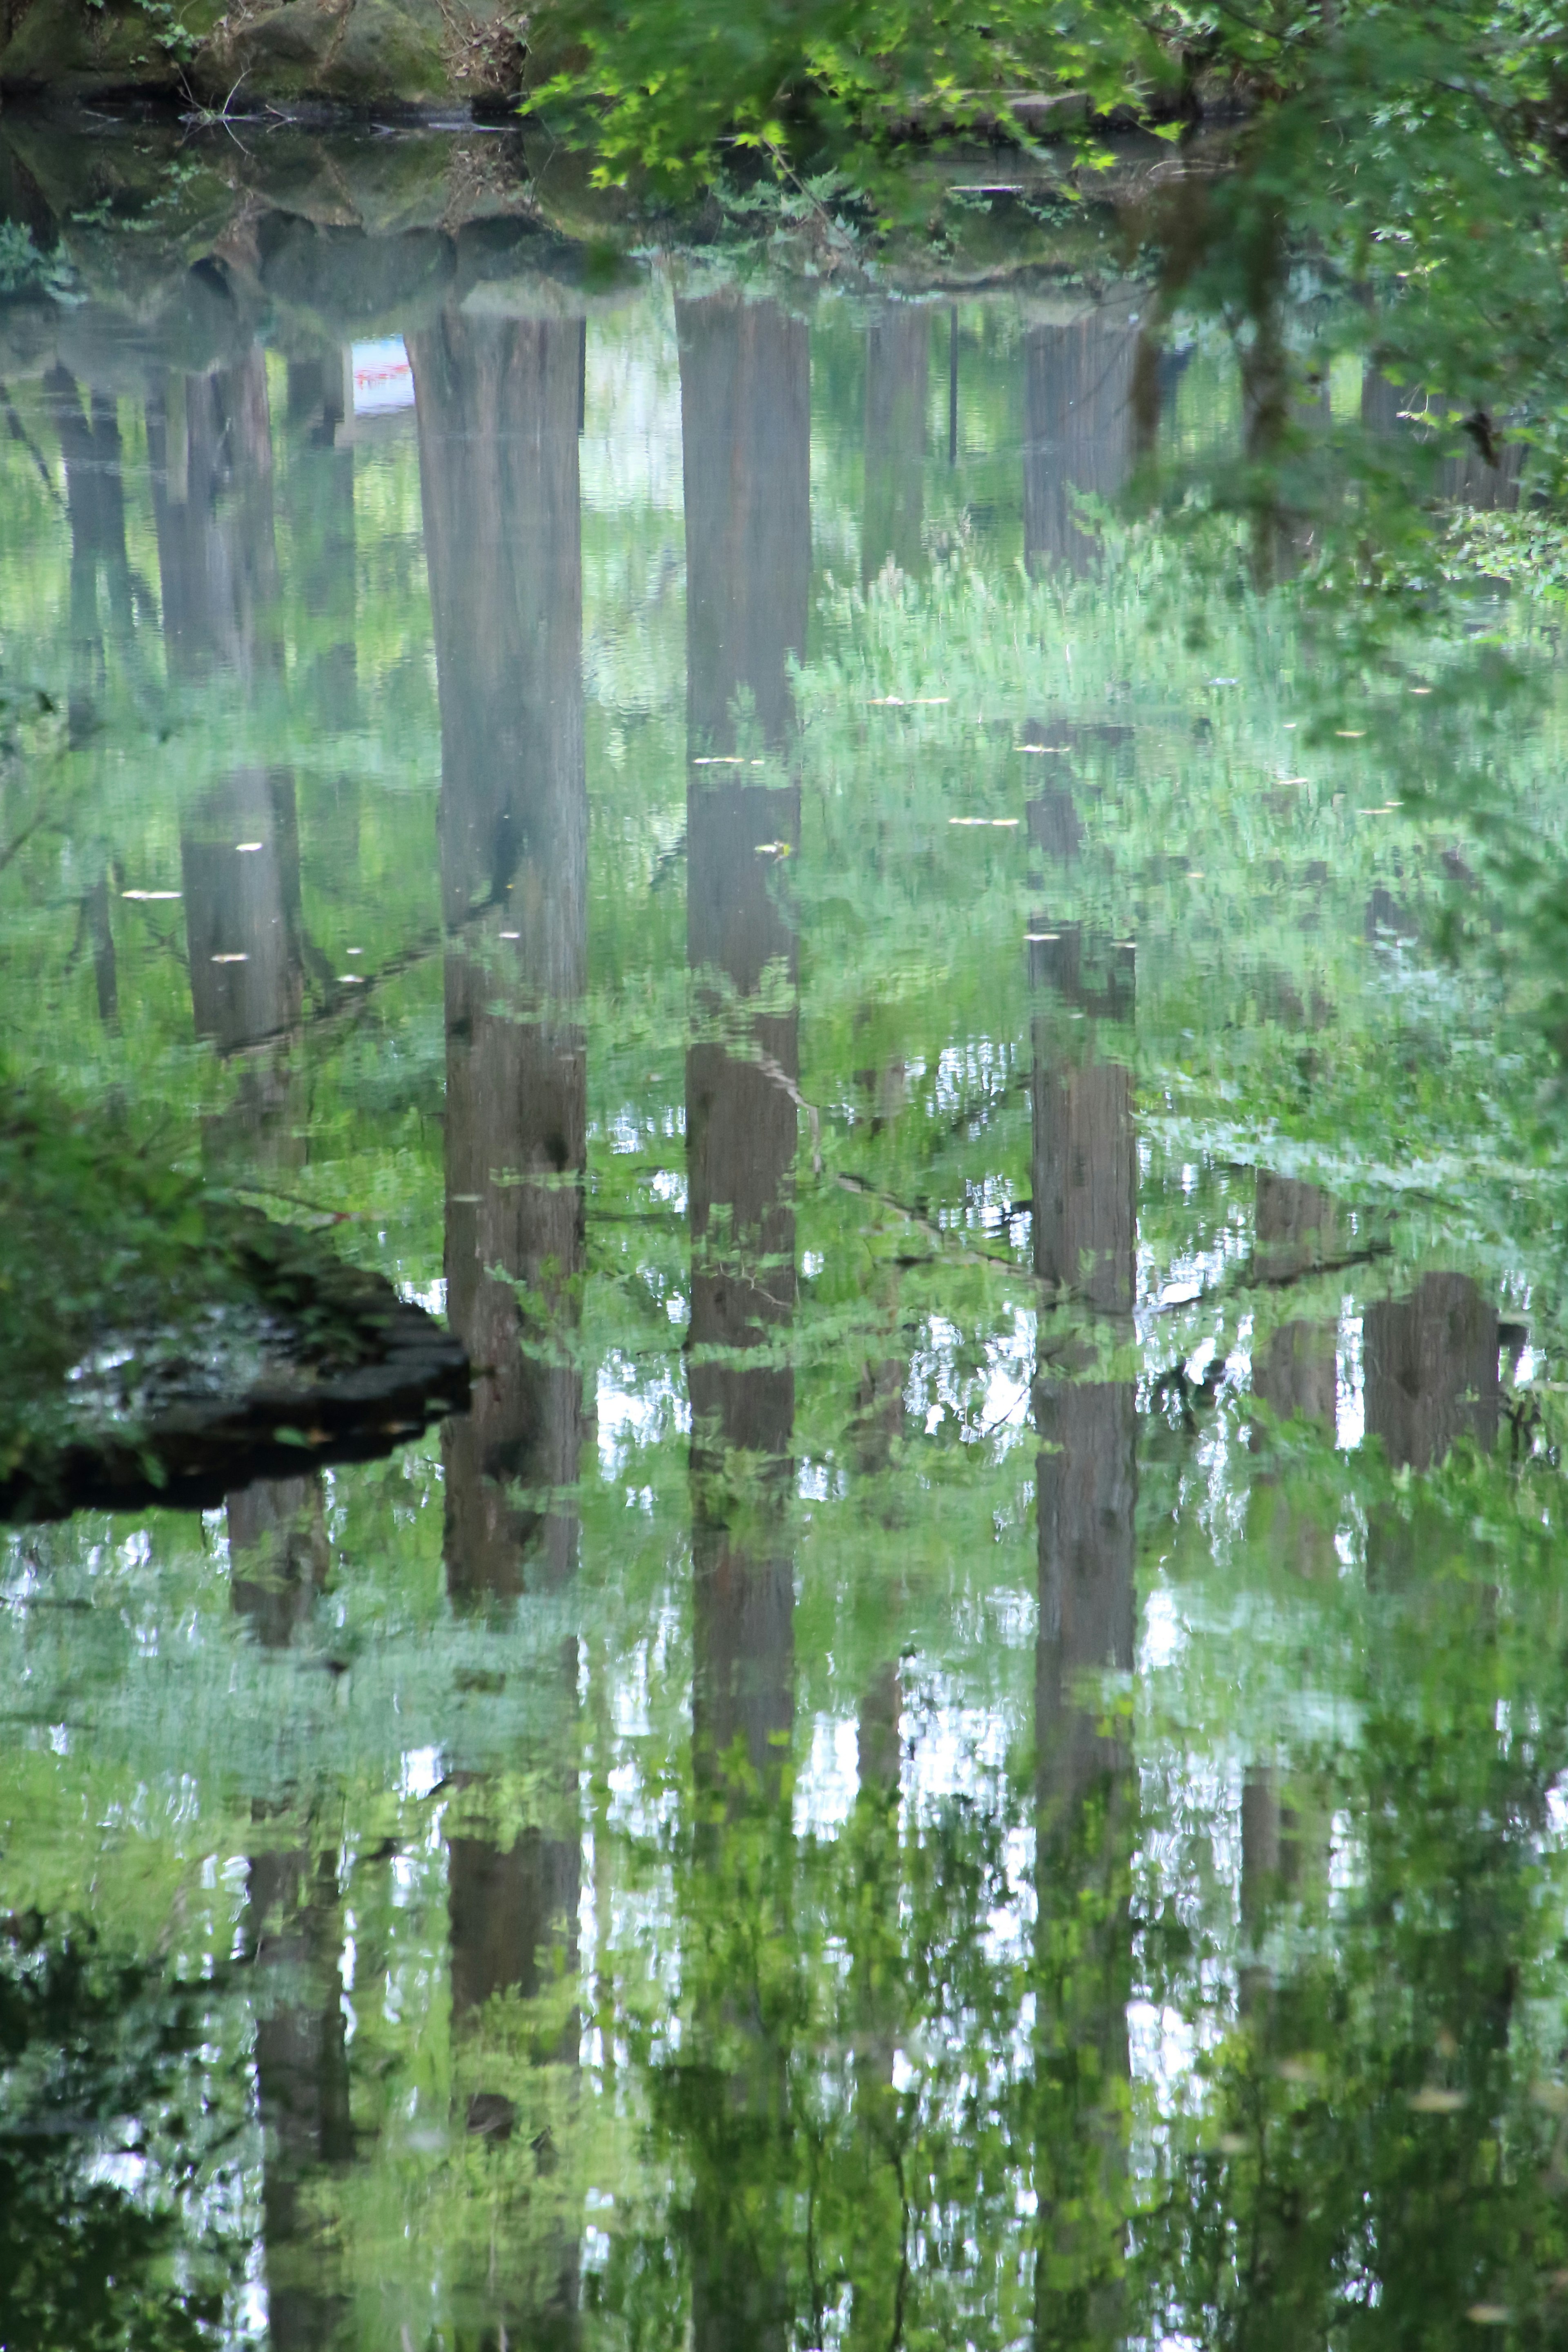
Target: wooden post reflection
point(1085, 1236)
point(498, 417)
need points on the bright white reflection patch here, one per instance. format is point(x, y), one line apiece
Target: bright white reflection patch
point(1350, 1391)
point(1165, 1632)
point(422, 1768)
point(826, 1786)
point(636, 1408)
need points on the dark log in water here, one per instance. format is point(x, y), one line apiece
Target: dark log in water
point(341, 1371)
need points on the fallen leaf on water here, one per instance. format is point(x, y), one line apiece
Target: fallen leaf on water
point(724, 760)
point(1349, 734)
point(241, 958)
point(244, 845)
point(511, 935)
point(351, 980)
point(1231, 2144)
point(1038, 937)
point(149, 893)
point(1489, 2315)
point(1432, 2100)
point(774, 850)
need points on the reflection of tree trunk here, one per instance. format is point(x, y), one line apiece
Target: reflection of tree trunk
point(244, 938)
point(1431, 1370)
point(209, 446)
point(745, 414)
point(1295, 1372)
point(498, 403)
point(239, 858)
point(745, 408)
point(209, 442)
point(278, 1561)
point(497, 436)
point(876, 1942)
point(319, 491)
point(898, 350)
point(1085, 1231)
point(1079, 430)
point(279, 1555)
point(95, 503)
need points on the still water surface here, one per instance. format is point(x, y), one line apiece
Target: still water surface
point(962, 1747)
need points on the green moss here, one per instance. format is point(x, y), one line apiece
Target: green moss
point(127, 1287)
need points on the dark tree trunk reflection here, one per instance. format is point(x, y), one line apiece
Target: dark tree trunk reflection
point(1081, 429)
point(209, 446)
point(95, 504)
point(278, 1561)
point(745, 416)
point(1084, 1235)
point(498, 403)
point(1295, 1372)
point(100, 575)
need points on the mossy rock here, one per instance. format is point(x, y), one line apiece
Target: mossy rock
point(160, 1343)
point(72, 50)
point(358, 54)
point(365, 54)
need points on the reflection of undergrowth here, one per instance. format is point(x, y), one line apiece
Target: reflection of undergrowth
point(101, 2076)
point(24, 271)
